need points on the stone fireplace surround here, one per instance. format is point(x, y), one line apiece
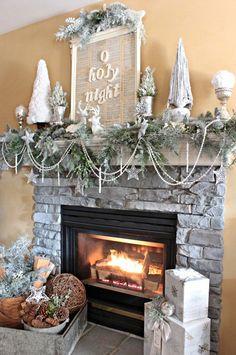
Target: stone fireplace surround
point(199, 207)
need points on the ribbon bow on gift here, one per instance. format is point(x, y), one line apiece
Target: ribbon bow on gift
point(162, 332)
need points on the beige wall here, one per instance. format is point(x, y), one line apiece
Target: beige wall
point(208, 29)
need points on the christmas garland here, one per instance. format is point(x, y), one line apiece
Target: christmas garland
point(89, 23)
point(54, 150)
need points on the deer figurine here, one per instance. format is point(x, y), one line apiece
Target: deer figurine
point(84, 114)
point(95, 120)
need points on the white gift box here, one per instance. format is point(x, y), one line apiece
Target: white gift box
point(188, 290)
point(191, 338)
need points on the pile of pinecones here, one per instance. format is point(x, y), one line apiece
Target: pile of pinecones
point(43, 315)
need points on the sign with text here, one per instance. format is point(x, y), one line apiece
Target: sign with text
point(106, 73)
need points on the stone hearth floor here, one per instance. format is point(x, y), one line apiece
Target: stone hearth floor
point(99, 340)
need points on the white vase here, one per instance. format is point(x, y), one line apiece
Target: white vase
point(59, 112)
point(147, 101)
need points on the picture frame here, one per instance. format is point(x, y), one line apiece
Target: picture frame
point(105, 74)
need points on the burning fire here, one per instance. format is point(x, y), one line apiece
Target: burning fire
point(122, 261)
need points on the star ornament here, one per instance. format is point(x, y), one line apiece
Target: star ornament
point(37, 295)
point(133, 173)
point(32, 177)
point(28, 137)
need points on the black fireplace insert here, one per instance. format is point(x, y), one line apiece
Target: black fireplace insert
point(121, 257)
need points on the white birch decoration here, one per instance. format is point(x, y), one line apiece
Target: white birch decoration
point(180, 90)
point(39, 107)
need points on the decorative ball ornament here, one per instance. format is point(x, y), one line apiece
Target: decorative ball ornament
point(167, 308)
point(223, 83)
point(21, 113)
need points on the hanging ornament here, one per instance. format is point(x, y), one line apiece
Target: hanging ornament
point(58, 176)
point(32, 177)
point(16, 163)
point(80, 186)
point(220, 174)
point(28, 137)
point(133, 173)
point(37, 295)
point(143, 128)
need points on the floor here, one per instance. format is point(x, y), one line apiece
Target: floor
point(99, 340)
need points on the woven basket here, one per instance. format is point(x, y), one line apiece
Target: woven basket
point(65, 284)
point(9, 312)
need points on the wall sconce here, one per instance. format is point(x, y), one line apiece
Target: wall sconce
point(223, 83)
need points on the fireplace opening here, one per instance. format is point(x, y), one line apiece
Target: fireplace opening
point(136, 266)
point(121, 257)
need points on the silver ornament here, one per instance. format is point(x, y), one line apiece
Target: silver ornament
point(21, 113)
point(167, 308)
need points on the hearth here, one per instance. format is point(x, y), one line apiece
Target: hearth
point(121, 257)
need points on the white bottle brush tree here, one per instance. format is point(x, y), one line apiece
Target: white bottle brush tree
point(39, 107)
point(147, 85)
point(58, 97)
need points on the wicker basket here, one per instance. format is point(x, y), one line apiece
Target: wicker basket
point(9, 312)
point(65, 284)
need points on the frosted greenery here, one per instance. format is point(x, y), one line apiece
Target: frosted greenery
point(110, 16)
point(147, 85)
point(17, 264)
point(58, 97)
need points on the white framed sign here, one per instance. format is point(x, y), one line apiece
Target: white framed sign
point(106, 73)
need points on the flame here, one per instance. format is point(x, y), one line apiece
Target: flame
point(122, 261)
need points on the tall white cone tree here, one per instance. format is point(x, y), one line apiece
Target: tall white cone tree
point(39, 107)
point(180, 90)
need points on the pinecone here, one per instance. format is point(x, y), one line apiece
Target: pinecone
point(36, 323)
point(43, 310)
point(62, 314)
point(52, 321)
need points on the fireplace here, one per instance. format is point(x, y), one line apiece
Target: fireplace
point(121, 257)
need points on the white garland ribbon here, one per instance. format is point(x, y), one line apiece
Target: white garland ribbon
point(104, 176)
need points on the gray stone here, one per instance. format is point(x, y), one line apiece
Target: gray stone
point(198, 173)
point(54, 182)
point(214, 346)
point(215, 279)
point(110, 193)
point(109, 204)
point(220, 189)
point(156, 206)
point(182, 260)
point(192, 251)
point(150, 181)
point(50, 227)
point(201, 188)
point(182, 235)
point(215, 301)
point(213, 253)
point(214, 313)
point(191, 199)
point(217, 223)
point(216, 290)
point(47, 208)
point(47, 218)
point(212, 211)
point(206, 237)
point(206, 265)
point(217, 201)
point(53, 191)
point(44, 233)
point(99, 341)
point(154, 195)
point(192, 221)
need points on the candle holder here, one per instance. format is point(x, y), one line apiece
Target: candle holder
point(21, 113)
point(223, 83)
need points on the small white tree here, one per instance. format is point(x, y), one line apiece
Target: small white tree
point(39, 107)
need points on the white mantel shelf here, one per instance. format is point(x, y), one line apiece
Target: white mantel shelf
point(173, 159)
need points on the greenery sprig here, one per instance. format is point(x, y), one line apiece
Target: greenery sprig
point(160, 136)
point(90, 22)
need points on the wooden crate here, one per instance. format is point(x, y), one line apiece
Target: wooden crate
point(17, 341)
